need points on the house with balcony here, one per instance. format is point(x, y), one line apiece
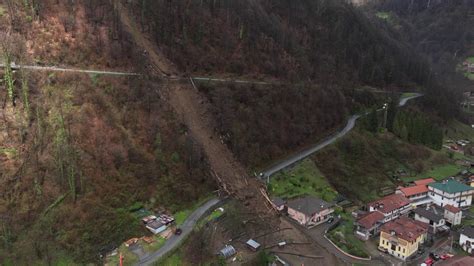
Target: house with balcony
point(391, 206)
point(369, 225)
point(402, 237)
point(451, 192)
point(309, 211)
point(418, 193)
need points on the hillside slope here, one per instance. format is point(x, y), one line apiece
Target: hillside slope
point(79, 153)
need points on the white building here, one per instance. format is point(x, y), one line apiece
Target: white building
point(466, 239)
point(431, 216)
point(451, 192)
point(452, 215)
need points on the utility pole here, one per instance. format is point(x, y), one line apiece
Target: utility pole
point(385, 111)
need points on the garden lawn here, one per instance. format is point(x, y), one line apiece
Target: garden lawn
point(437, 172)
point(303, 179)
point(343, 236)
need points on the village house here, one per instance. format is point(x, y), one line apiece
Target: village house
point(158, 224)
point(369, 225)
point(452, 215)
point(309, 210)
point(466, 239)
point(433, 217)
point(417, 194)
point(402, 237)
point(391, 206)
point(451, 192)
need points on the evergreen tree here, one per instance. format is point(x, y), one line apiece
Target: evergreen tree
point(392, 114)
point(404, 133)
point(373, 122)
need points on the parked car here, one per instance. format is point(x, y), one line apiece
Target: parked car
point(446, 256)
point(382, 249)
point(330, 220)
point(429, 261)
point(178, 231)
point(434, 256)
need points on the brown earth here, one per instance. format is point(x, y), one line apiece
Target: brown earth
point(232, 177)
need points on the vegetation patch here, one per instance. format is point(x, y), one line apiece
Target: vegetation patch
point(437, 172)
point(359, 165)
point(175, 259)
point(343, 236)
point(182, 215)
point(303, 179)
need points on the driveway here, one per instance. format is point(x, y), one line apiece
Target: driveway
point(174, 241)
point(317, 234)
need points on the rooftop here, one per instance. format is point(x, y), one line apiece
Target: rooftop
point(405, 228)
point(451, 186)
point(429, 214)
point(425, 181)
point(254, 244)
point(369, 220)
point(390, 203)
point(468, 231)
point(451, 208)
point(278, 201)
point(308, 205)
point(414, 190)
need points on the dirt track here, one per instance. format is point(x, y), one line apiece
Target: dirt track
point(192, 109)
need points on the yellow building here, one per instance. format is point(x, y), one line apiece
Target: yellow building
point(402, 237)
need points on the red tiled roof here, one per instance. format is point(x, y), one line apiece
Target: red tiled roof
point(452, 209)
point(390, 203)
point(425, 181)
point(405, 228)
point(369, 220)
point(410, 191)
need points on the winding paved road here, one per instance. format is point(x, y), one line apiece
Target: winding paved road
point(305, 153)
point(174, 241)
point(59, 69)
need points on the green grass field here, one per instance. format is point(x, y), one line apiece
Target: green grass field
point(304, 179)
point(407, 94)
point(343, 236)
point(470, 60)
point(437, 172)
point(469, 76)
point(456, 130)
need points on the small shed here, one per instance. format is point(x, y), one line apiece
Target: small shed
point(253, 245)
point(227, 252)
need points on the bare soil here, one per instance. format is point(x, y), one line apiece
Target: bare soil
point(193, 109)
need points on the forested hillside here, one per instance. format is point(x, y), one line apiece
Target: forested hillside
point(440, 31)
point(79, 153)
point(301, 40)
point(326, 49)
